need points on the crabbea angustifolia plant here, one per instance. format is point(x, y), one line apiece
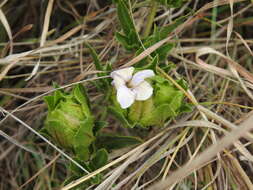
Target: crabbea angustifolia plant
point(69, 121)
point(132, 41)
point(137, 96)
point(71, 124)
point(144, 99)
point(140, 96)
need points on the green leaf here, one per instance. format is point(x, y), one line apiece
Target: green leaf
point(95, 57)
point(45, 133)
point(58, 96)
point(148, 106)
point(81, 96)
point(78, 171)
point(154, 63)
point(186, 108)
point(160, 53)
point(139, 110)
point(124, 17)
point(133, 39)
point(176, 102)
point(183, 84)
point(110, 142)
point(164, 92)
point(120, 116)
point(50, 102)
point(158, 116)
point(124, 41)
point(60, 133)
point(163, 51)
point(99, 160)
point(135, 112)
point(166, 30)
point(158, 35)
point(108, 66)
point(53, 100)
point(158, 79)
point(168, 66)
point(130, 38)
point(83, 139)
point(55, 85)
point(103, 83)
point(96, 179)
point(98, 126)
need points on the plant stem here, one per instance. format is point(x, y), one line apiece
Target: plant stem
point(151, 16)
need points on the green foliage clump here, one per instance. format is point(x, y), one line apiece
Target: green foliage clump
point(166, 103)
point(71, 124)
point(69, 121)
point(130, 39)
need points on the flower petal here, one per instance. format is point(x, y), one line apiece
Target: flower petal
point(125, 97)
point(118, 82)
point(125, 74)
point(143, 91)
point(140, 76)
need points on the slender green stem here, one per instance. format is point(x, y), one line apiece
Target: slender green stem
point(151, 16)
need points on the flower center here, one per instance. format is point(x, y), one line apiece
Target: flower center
point(129, 85)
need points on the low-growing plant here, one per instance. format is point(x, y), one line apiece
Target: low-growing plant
point(136, 96)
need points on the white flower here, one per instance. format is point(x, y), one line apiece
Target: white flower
point(131, 87)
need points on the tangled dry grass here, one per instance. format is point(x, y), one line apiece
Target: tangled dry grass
point(209, 148)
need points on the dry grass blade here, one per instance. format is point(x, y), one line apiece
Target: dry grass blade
point(158, 136)
point(235, 73)
point(13, 95)
point(221, 120)
point(206, 67)
point(27, 90)
point(46, 93)
point(7, 27)
point(3, 3)
point(207, 155)
point(209, 65)
point(44, 34)
point(109, 182)
point(6, 69)
point(43, 138)
point(65, 36)
point(217, 3)
point(230, 25)
point(172, 158)
point(243, 177)
point(239, 68)
point(46, 22)
point(40, 171)
point(125, 156)
point(154, 47)
point(244, 42)
point(14, 141)
point(23, 30)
